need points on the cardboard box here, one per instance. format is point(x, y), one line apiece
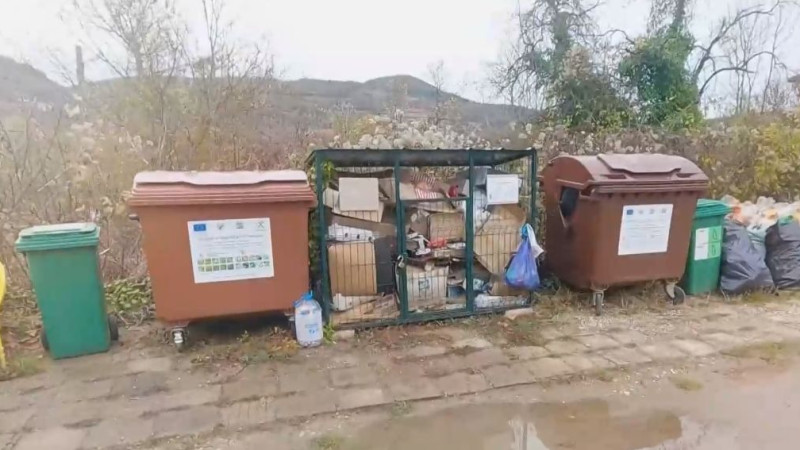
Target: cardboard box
point(426, 288)
point(435, 226)
point(330, 198)
point(499, 238)
point(417, 186)
point(385, 228)
point(352, 268)
point(359, 194)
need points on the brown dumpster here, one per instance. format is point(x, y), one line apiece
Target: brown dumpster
point(223, 243)
point(616, 219)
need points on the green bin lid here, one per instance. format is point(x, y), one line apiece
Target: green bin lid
point(56, 237)
point(711, 208)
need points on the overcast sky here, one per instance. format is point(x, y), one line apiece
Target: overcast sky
point(347, 39)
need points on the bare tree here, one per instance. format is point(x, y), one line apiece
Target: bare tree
point(438, 76)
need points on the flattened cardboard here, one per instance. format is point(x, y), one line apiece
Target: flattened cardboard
point(426, 288)
point(448, 226)
point(330, 198)
point(379, 229)
point(359, 194)
point(352, 268)
point(499, 238)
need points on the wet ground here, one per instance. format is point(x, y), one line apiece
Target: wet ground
point(730, 404)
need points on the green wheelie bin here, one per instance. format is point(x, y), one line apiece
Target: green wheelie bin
point(705, 250)
point(65, 274)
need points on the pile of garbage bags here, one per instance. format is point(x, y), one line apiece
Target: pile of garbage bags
point(761, 248)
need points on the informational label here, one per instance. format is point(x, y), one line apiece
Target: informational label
point(707, 243)
point(228, 250)
point(644, 229)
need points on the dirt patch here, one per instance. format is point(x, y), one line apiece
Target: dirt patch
point(403, 337)
point(771, 352)
point(686, 383)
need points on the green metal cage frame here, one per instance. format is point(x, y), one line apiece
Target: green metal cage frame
point(414, 158)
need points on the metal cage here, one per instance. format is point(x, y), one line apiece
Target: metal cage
point(421, 255)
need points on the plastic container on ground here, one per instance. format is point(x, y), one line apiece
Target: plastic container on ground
point(308, 321)
point(619, 219)
point(705, 247)
point(65, 275)
point(223, 243)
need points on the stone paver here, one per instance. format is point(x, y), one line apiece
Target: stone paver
point(360, 398)
point(84, 390)
point(586, 363)
point(597, 341)
point(544, 368)
point(162, 364)
point(472, 343)
point(485, 357)
point(422, 351)
point(13, 421)
point(116, 431)
point(629, 337)
point(249, 389)
point(552, 333)
point(693, 347)
point(723, 341)
point(625, 356)
point(527, 352)
point(417, 388)
point(565, 347)
point(58, 438)
point(187, 421)
point(305, 404)
point(190, 397)
point(461, 383)
point(298, 379)
point(5, 440)
point(140, 385)
point(507, 375)
point(250, 413)
point(67, 414)
point(353, 376)
point(661, 351)
point(445, 365)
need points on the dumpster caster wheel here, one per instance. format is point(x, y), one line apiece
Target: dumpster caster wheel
point(676, 294)
point(597, 300)
point(45, 343)
point(179, 338)
point(113, 329)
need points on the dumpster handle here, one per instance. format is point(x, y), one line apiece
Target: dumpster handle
point(133, 217)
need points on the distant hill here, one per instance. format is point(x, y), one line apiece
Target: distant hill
point(21, 83)
point(372, 97)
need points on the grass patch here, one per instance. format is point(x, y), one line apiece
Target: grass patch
point(604, 375)
point(22, 366)
point(758, 297)
point(328, 442)
point(20, 325)
point(222, 343)
point(770, 352)
point(686, 383)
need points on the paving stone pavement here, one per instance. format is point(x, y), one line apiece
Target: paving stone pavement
point(121, 399)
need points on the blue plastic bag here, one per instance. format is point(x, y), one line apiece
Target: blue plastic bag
point(522, 272)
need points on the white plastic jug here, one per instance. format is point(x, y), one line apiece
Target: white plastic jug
point(308, 321)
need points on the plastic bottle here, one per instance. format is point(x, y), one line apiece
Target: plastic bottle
point(308, 321)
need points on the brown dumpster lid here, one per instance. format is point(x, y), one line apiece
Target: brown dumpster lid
point(191, 188)
point(627, 172)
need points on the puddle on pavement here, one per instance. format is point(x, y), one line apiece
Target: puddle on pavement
point(580, 425)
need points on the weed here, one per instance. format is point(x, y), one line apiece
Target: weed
point(329, 442)
point(400, 409)
point(770, 352)
point(130, 300)
point(686, 383)
point(22, 366)
point(604, 375)
point(327, 333)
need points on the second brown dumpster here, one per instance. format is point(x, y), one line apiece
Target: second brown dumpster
point(223, 243)
point(619, 219)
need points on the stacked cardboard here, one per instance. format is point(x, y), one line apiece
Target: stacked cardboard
point(365, 264)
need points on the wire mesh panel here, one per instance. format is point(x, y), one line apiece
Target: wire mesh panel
point(410, 235)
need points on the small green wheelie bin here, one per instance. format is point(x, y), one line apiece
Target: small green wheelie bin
point(705, 251)
point(65, 274)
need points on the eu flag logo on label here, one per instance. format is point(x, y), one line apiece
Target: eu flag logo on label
point(629, 212)
point(199, 227)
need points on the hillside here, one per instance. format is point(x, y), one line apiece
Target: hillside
point(21, 83)
point(372, 97)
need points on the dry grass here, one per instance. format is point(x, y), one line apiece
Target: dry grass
point(20, 325)
point(225, 342)
point(328, 442)
point(686, 383)
point(770, 352)
point(402, 337)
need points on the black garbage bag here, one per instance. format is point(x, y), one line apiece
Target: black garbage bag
point(783, 253)
point(743, 267)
